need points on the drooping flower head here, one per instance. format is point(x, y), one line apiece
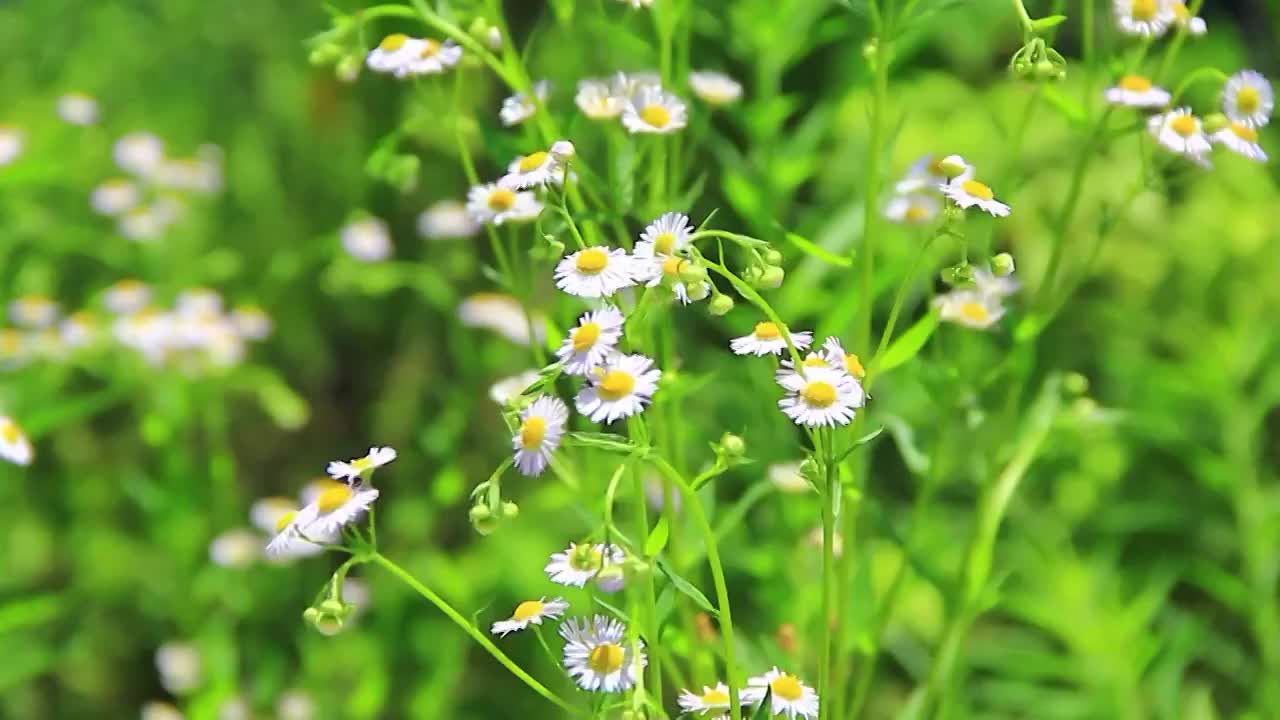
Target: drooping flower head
point(789, 695)
point(530, 612)
point(767, 339)
point(541, 427)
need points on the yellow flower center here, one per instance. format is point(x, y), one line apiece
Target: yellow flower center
point(787, 688)
point(1144, 9)
point(528, 609)
point(1181, 12)
point(10, 432)
point(586, 557)
point(671, 266)
point(819, 394)
point(916, 213)
point(815, 361)
point(1244, 132)
point(977, 189)
point(592, 261)
point(585, 336)
point(431, 47)
point(532, 431)
point(501, 199)
point(1184, 125)
point(532, 162)
point(333, 498)
point(616, 384)
point(664, 244)
point(1248, 100)
point(767, 331)
point(1135, 83)
point(10, 341)
point(285, 519)
point(655, 115)
point(391, 43)
point(606, 658)
point(853, 364)
point(715, 697)
point(977, 312)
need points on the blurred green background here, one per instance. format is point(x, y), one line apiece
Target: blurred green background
point(1140, 560)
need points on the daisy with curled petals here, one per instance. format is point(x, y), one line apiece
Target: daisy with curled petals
point(589, 344)
point(822, 397)
point(598, 656)
point(711, 700)
point(431, 58)
point(14, 445)
point(510, 388)
point(595, 272)
point(393, 53)
point(766, 339)
point(667, 235)
point(1180, 131)
point(813, 360)
point(835, 354)
point(520, 107)
point(493, 204)
point(530, 612)
point(1147, 18)
point(970, 308)
point(504, 315)
point(1248, 99)
point(1242, 140)
point(789, 696)
point(967, 193)
point(933, 171)
point(598, 101)
point(1137, 91)
point(532, 170)
point(913, 209)
point(337, 506)
point(578, 564)
point(541, 427)
point(1186, 21)
point(619, 388)
point(361, 467)
point(715, 88)
point(654, 110)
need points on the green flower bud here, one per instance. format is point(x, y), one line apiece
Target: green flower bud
point(964, 274)
point(348, 68)
point(335, 607)
point(733, 445)
point(953, 166)
point(1215, 122)
point(772, 257)
point(310, 616)
point(482, 520)
point(1075, 383)
point(752, 273)
point(772, 277)
point(1002, 265)
point(692, 272)
point(510, 511)
point(720, 305)
point(698, 291)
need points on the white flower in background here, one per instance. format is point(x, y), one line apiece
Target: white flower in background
point(194, 174)
point(628, 84)
point(493, 204)
point(11, 143)
point(619, 388)
point(530, 612)
point(1185, 20)
point(578, 564)
point(14, 445)
point(142, 223)
point(510, 388)
point(715, 88)
point(788, 478)
point(1180, 131)
point(653, 110)
point(933, 171)
point(393, 53)
point(127, 296)
point(432, 58)
point(967, 193)
point(295, 705)
point(148, 331)
point(1248, 99)
point(338, 506)
point(598, 655)
point(789, 696)
point(265, 513)
point(563, 150)
point(970, 308)
point(520, 107)
point(595, 272)
point(992, 285)
point(447, 220)
point(710, 700)
point(1137, 91)
point(1241, 139)
point(532, 170)
point(638, 3)
point(78, 329)
point(78, 109)
point(541, 427)
point(156, 710)
point(367, 239)
point(235, 708)
point(588, 344)
point(598, 101)
point(766, 339)
point(1148, 18)
point(251, 322)
point(502, 314)
point(115, 196)
point(33, 311)
point(237, 548)
point(139, 153)
point(914, 209)
point(822, 397)
point(361, 468)
point(198, 302)
point(179, 666)
point(814, 539)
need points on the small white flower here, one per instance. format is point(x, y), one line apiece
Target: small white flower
point(789, 696)
point(502, 314)
point(637, 4)
point(787, 369)
point(194, 174)
point(510, 388)
point(931, 172)
point(198, 302)
point(33, 311)
point(598, 100)
point(1185, 20)
point(431, 58)
point(766, 339)
point(788, 478)
point(141, 223)
point(591, 342)
point(1180, 131)
point(251, 322)
point(265, 513)
point(530, 612)
point(156, 710)
point(353, 470)
point(715, 88)
point(971, 192)
point(598, 655)
point(1148, 18)
point(493, 204)
point(595, 272)
point(115, 196)
point(620, 388)
point(14, 445)
point(533, 170)
point(578, 564)
point(520, 107)
point(1137, 91)
point(822, 397)
point(78, 109)
point(541, 427)
point(914, 209)
point(668, 235)
point(970, 308)
point(1241, 139)
point(991, 285)
point(139, 153)
point(712, 699)
point(11, 143)
point(393, 53)
point(78, 329)
point(295, 705)
point(367, 239)
point(335, 508)
point(653, 110)
point(237, 548)
point(563, 150)
point(235, 708)
point(447, 220)
point(1248, 99)
point(179, 666)
point(127, 296)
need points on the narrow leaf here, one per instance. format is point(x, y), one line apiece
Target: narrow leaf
point(687, 588)
point(908, 344)
point(657, 539)
point(810, 248)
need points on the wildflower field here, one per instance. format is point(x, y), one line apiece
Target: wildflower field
point(639, 359)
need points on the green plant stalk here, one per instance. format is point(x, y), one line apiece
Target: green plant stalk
point(649, 592)
point(831, 472)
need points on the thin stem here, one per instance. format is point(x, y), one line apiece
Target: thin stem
point(830, 470)
point(649, 594)
point(898, 299)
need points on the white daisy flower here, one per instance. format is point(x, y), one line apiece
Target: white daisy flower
point(595, 272)
point(295, 705)
point(766, 339)
point(510, 388)
point(33, 311)
point(235, 708)
point(715, 88)
point(598, 100)
point(1242, 140)
point(578, 564)
point(195, 174)
point(265, 513)
point(78, 329)
point(142, 223)
point(14, 445)
point(493, 204)
point(502, 314)
point(139, 153)
point(1185, 20)
point(970, 308)
point(788, 478)
point(520, 107)
point(541, 427)
point(598, 655)
point(198, 302)
point(789, 695)
point(156, 710)
point(620, 388)
point(447, 219)
point(835, 354)
point(667, 235)
point(530, 612)
point(431, 58)
point(148, 331)
point(251, 322)
point(914, 209)
point(711, 700)
point(822, 397)
point(787, 369)
point(1148, 18)
point(637, 4)
point(970, 192)
point(337, 507)
point(367, 239)
point(78, 109)
point(991, 285)
point(115, 196)
point(1248, 99)
point(592, 341)
point(532, 170)
point(932, 171)
point(179, 666)
point(361, 468)
point(626, 85)
point(127, 296)
point(236, 549)
point(1180, 131)
point(653, 110)
point(1137, 91)
point(393, 53)
point(11, 143)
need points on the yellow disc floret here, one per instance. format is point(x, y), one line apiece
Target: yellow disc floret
point(584, 337)
point(616, 384)
point(767, 331)
point(532, 431)
point(1244, 132)
point(656, 115)
point(528, 609)
point(977, 189)
point(976, 312)
point(430, 47)
point(1184, 125)
point(1135, 83)
point(532, 162)
point(787, 688)
point(1144, 9)
point(664, 244)
point(285, 520)
point(715, 697)
point(606, 658)
point(333, 498)
point(391, 43)
point(501, 200)
point(671, 266)
point(1248, 100)
point(819, 394)
point(592, 260)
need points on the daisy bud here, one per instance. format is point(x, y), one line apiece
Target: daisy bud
point(699, 291)
point(563, 149)
point(556, 247)
point(325, 54)
point(335, 607)
point(510, 511)
point(692, 273)
point(328, 625)
point(1214, 122)
point(1002, 265)
point(611, 579)
point(772, 257)
point(482, 520)
point(348, 68)
point(772, 277)
point(953, 166)
point(1075, 383)
point(720, 305)
point(310, 616)
point(493, 38)
point(733, 445)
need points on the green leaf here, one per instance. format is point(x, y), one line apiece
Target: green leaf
point(859, 443)
point(604, 441)
point(1046, 23)
point(766, 704)
point(908, 344)
point(686, 587)
point(1070, 109)
point(657, 539)
point(613, 609)
point(809, 248)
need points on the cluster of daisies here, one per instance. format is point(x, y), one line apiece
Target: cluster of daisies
point(331, 506)
point(660, 257)
point(149, 199)
point(825, 390)
point(640, 102)
point(980, 304)
point(368, 238)
point(934, 179)
point(181, 670)
point(1153, 18)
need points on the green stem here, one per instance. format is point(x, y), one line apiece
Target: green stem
point(830, 470)
point(649, 594)
point(898, 299)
